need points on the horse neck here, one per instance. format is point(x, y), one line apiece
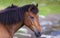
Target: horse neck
point(13, 28)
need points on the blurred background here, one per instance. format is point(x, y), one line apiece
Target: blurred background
point(49, 17)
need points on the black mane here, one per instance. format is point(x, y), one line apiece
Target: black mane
point(12, 6)
point(16, 14)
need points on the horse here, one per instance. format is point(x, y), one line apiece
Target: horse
point(13, 18)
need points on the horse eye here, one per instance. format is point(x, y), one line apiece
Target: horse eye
point(32, 18)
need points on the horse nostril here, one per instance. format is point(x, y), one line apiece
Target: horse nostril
point(38, 34)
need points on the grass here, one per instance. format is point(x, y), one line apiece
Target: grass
point(56, 27)
point(55, 9)
point(20, 31)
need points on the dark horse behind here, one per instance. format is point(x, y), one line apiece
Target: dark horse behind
point(13, 17)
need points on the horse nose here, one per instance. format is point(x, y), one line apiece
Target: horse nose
point(38, 34)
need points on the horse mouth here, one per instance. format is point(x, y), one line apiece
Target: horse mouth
point(37, 34)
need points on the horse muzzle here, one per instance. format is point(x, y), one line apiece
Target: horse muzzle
point(38, 34)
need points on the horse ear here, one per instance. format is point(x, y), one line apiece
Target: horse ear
point(12, 5)
point(30, 8)
point(36, 5)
